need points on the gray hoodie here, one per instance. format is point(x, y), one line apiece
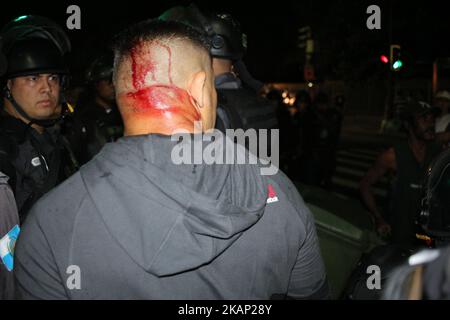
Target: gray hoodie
point(133, 225)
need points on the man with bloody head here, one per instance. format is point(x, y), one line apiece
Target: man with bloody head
point(161, 88)
point(136, 225)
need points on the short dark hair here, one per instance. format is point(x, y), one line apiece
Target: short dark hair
point(154, 29)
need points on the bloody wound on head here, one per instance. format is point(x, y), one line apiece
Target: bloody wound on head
point(166, 101)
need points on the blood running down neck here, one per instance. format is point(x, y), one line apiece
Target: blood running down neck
point(153, 98)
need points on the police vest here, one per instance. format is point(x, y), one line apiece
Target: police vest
point(31, 173)
point(247, 110)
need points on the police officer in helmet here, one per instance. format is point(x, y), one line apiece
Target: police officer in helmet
point(97, 110)
point(239, 105)
point(34, 154)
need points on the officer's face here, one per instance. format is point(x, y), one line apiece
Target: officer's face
point(38, 95)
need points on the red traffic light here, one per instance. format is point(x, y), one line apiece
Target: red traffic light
point(384, 59)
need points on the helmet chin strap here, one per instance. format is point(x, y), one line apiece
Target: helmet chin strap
point(46, 123)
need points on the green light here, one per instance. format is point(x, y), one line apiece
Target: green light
point(20, 18)
point(397, 64)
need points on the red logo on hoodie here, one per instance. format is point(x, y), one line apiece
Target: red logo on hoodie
point(272, 196)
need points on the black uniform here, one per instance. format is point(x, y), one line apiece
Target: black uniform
point(407, 191)
point(99, 126)
point(319, 139)
point(240, 107)
point(35, 162)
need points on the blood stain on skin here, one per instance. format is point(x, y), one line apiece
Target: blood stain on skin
point(142, 63)
point(160, 100)
point(166, 101)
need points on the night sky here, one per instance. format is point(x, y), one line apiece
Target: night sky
point(345, 47)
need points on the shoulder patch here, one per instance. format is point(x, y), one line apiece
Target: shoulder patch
point(36, 162)
point(7, 244)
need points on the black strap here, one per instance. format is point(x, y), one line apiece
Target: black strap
point(40, 122)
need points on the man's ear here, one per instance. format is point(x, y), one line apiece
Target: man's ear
point(8, 84)
point(196, 86)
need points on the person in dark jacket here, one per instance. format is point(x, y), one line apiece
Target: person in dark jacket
point(137, 225)
point(97, 111)
point(408, 160)
point(320, 129)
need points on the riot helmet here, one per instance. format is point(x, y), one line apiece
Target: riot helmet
point(34, 56)
point(224, 33)
point(31, 27)
point(100, 69)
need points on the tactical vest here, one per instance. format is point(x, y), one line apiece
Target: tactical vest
point(248, 111)
point(23, 159)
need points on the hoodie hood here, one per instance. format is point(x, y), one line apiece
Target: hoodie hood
point(171, 218)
